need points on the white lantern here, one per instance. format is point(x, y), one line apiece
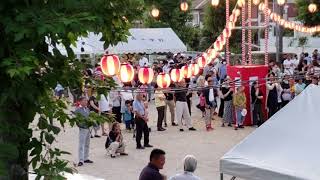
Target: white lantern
point(214, 3)
point(312, 8)
point(281, 2)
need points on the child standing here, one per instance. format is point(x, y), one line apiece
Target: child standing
point(202, 104)
point(127, 115)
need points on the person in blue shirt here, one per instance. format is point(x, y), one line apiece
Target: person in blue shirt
point(127, 115)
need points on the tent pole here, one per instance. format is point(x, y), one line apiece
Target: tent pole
point(221, 176)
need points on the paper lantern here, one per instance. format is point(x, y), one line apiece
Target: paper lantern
point(286, 24)
point(110, 65)
point(214, 2)
point(222, 39)
point(237, 12)
point(312, 8)
point(176, 75)
point(202, 61)
point(126, 72)
point(155, 12)
point(212, 54)
point(194, 69)
point(163, 80)
point(217, 45)
point(281, 2)
point(186, 71)
point(232, 17)
point(282, 22)
point(226, 32)
point(256, 2)
point(262, 6)
point(184, 6)
point(231, 25)
point(272, 16)
point(145, 75)
point(241, 3)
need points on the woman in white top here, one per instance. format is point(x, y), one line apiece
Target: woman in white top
point(190, 165)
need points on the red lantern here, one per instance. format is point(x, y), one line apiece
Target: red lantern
point(126, 72)
point(194, 69)
point(163, 80)
point(202, 61)
point(233, 17)
point(176, 75)
point(145, 75)
point(186, 71)
point(110, 64)
point(212, 54)
point(222, 39)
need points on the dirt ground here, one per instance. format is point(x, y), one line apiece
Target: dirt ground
point(207, 147)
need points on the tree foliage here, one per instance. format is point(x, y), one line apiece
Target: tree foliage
point(309, 19)
point(28, 73)
point(171, 16)
point(214, 23)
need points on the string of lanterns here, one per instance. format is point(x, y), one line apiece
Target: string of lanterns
point(287, 24)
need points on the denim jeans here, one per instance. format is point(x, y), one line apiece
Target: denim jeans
point(240, 118)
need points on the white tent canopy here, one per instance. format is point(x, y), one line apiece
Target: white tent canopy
point(145, 40)
point(89, 45)
point(286, 147)
point(149, 40)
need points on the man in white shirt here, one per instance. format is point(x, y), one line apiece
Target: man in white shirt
point(289, 65)
point(143, 61)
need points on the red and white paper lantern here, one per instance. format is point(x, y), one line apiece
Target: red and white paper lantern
point(194, 69)
point(110, 65)
point(202, 61)
point(163, 80)
point(126, 72)
point(145, 75)
point(186, 71)
point(176, 75)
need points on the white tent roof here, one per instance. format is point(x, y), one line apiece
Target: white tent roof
point(149, 40)
point(90, 44)
point(285, 147)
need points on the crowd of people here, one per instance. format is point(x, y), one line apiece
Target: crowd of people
point(217, 94)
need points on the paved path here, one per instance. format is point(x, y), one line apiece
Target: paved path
point(207, 147)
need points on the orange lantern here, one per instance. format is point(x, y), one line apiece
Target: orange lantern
point(202, 61)
point(176, 75)
point(145, 75)
point(194, 69)
point(186, 71)
point(110, 65)
point(126, 72)
point(163, 80)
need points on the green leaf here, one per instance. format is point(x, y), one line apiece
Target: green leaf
point(43, 123)
point(55, 129)
point(49, 138)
